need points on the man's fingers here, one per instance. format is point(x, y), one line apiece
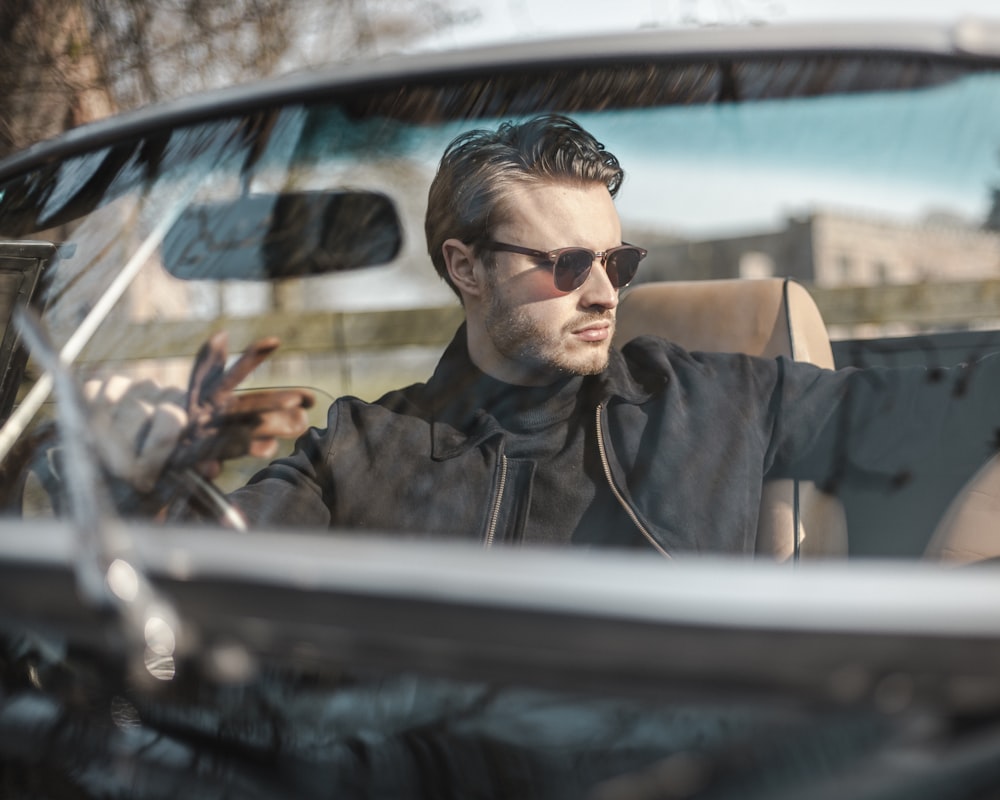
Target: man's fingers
point(241, 431)
point(249, 360)
point(258, 447)
point(142, 426)
point(209, 470)
point(287, 424)
point(263, 448)
point(263, 400)
point(115, 388)
point(277, 413)
point(136, 424)
point(164, 428)
point(238, 439)
point(209, 367)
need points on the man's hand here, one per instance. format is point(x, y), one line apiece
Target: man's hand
point(149, 427)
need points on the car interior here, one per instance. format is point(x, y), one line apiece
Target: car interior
point(771, 318)
point(211, 662)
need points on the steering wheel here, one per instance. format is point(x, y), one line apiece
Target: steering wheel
point(33, 468)
point(220, 424)
point(202, 497)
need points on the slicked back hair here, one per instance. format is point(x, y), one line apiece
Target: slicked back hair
point(479, 168)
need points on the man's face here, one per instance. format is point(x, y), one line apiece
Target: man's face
point(534, 333)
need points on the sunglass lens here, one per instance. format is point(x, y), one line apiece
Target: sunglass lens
point(622, 265)
point(571, 269)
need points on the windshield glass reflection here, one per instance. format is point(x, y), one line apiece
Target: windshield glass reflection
point(849, 193)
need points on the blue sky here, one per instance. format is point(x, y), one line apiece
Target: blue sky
point(713, 169)
point(944, 155)
point(746, 166)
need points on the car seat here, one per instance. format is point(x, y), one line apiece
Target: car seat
point(767, 317)
point(969, 531)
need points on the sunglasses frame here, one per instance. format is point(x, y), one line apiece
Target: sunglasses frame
point(552, 256)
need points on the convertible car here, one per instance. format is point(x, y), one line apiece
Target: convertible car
point(829, 194)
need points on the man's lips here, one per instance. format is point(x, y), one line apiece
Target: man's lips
point(594, 332)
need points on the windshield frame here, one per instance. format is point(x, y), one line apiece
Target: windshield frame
point(967, 46)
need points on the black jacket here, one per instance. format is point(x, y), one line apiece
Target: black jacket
point(686, 441)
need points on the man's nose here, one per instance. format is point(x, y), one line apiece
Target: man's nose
point(597, 290)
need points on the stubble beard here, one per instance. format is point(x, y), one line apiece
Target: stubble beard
point(520, 338)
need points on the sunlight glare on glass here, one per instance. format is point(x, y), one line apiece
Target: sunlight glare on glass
point(122, 580)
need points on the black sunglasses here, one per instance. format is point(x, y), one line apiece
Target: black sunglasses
point(571, 265)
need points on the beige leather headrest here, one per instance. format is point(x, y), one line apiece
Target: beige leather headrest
point(736, 316)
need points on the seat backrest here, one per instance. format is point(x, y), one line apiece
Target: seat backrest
point(969, 531)
point(768, 317)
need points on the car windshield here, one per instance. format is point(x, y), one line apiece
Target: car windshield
point(868, 197)
point(491, 566)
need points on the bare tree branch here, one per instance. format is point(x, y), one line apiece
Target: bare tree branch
point(66, 62)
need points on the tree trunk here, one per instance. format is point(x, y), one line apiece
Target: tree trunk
point(50, 78)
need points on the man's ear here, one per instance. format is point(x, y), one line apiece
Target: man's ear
point(460, 262)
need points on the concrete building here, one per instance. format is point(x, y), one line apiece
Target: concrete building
point(829, 248)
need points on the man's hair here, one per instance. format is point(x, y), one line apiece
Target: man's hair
point(478, 169)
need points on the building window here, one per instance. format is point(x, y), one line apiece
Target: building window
point(845, 269)
point(756, 265)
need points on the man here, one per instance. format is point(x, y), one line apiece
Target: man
point(533, 429)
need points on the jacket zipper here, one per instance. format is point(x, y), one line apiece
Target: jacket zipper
point(614, 489)
point(495, 515)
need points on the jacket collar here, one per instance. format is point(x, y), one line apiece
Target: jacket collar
point(634, 373)
point(459, 422)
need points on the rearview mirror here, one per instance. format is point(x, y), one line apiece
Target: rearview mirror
point(288, 235)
